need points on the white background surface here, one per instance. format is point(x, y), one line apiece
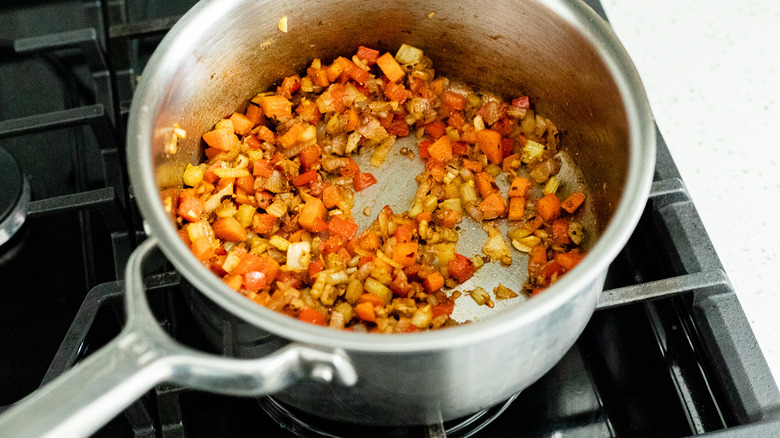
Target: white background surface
point(711, 70)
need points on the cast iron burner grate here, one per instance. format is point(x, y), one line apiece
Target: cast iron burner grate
point(303, 425)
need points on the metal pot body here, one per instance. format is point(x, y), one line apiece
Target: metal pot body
point(419, 387)
point(558, 52)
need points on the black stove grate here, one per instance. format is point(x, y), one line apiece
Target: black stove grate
point(668, 353)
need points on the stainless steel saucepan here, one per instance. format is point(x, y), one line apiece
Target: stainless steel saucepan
point(220, 54)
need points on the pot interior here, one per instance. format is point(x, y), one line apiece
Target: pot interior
point(511, 48)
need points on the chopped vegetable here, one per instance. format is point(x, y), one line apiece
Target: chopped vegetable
point(270, 210)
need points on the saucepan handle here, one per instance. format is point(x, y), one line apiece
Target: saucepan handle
point(142, 356)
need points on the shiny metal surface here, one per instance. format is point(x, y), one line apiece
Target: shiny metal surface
point(560, 53)
point(142, 356)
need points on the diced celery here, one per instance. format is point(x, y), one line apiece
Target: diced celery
point(374, 287)
point(532, 150)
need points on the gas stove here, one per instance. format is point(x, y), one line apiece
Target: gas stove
point(668, 352)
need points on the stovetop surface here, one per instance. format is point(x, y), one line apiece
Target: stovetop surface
point(668, 353)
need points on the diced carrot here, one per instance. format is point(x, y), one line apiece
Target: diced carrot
point(533, 224)
point(460, 268)
point(202, 249)
point(433, 282)
point(489, 143)
point(493, 206)
point(345, 228)
point(403, 234)
point(353, 120)
point(262, 167)
point(459, 148)
point(405, 253)
point(252, 141)
point(436, 129)
point(254, 113)
point(223, 139)
point(424, 216)
point(573, 202)
point(358, 74)
point(506, 165)
point(319, 76)
point(241, 124)
point(246, 183)
point(229, 229)
point(436, 170)
point(398, 126)
point(334, 71)
point(289, 138)
point(351, 169)
point(363, 180)
point(315, 267)
point(265, 134)
point(369, 241)
point(310, 156)
point(308, 111)
point(516, 209)
point(307, 314)
point(276, 106)
point(396, 92)
point(331, 196)
point(443, 308)
point(568, 260)
point(365, 311)
point(344, 63)
point(312, 216)
point(212, 153)
point(453, 101)
point(486, 185)
point(190, 207)
point(332, 244)
point(367, 54)
point(265, 271)
point(520, 187)
point(289, 85)
point(375, 300)
point(539, 254)
point(552, 268)
point(474, 166)
point(549, 207)
point(249, 262)
point(224, 182)
point(447, 218)
point(390, 67)
point(560, 231)
point(234, 281)
point(424, 145)
point(441, 149)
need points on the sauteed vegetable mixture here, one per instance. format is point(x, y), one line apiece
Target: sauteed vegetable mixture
point(270, 209)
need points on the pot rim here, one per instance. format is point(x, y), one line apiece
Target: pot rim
point(631, 205)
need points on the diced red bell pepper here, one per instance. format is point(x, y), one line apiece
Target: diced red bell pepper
point(305, 178)
point(363, 180)
point(307, 314)
point(344, 228)
point(367, 54)
point(460, 268)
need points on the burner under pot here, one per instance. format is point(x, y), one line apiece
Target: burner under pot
point(14, 196)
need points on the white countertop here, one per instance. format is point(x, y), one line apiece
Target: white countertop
point(711, 70)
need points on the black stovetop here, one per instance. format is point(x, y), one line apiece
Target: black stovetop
point(668, 353)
